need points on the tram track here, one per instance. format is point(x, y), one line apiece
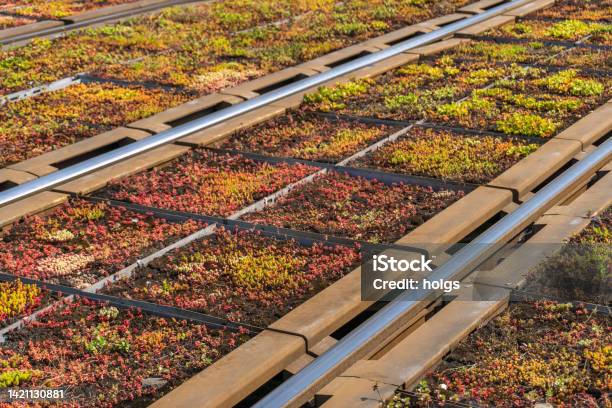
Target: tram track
point(306, 332)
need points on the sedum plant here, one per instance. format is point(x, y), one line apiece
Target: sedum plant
point(242, 275)
point(307, 137)
point(534, 52)
point(10, 22)
point(561, 30)
point(579, 10)
point(296, 31)
point(568, 82)
point(532, 102)
point(543, 352)
point(584, 57)
point(18, 299)
point(526, 53)
point(109, 357)
point(45, 60)
point(80, 242)
point(368, 210)
point(407, 93)
point(52, 120)
point(526, 125)
point(581, 271)
point(448, 155)
point(207, 183)
point(59, 8)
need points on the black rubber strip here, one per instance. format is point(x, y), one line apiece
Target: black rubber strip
point(306, 343)
point(518, 296)
point(155, 309)
point(151, 308)
point(370, 174)
point(394, 178)
point(363, 119)
point(482, 133)
point(92, 79)
point(302, 237)
point(510, 40)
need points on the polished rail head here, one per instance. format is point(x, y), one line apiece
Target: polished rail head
point(115, 156)
point(301, 387)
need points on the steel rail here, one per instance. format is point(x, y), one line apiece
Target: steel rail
point(115, 156)
point(303, 385)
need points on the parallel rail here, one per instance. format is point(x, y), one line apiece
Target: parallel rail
point(70, 173)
